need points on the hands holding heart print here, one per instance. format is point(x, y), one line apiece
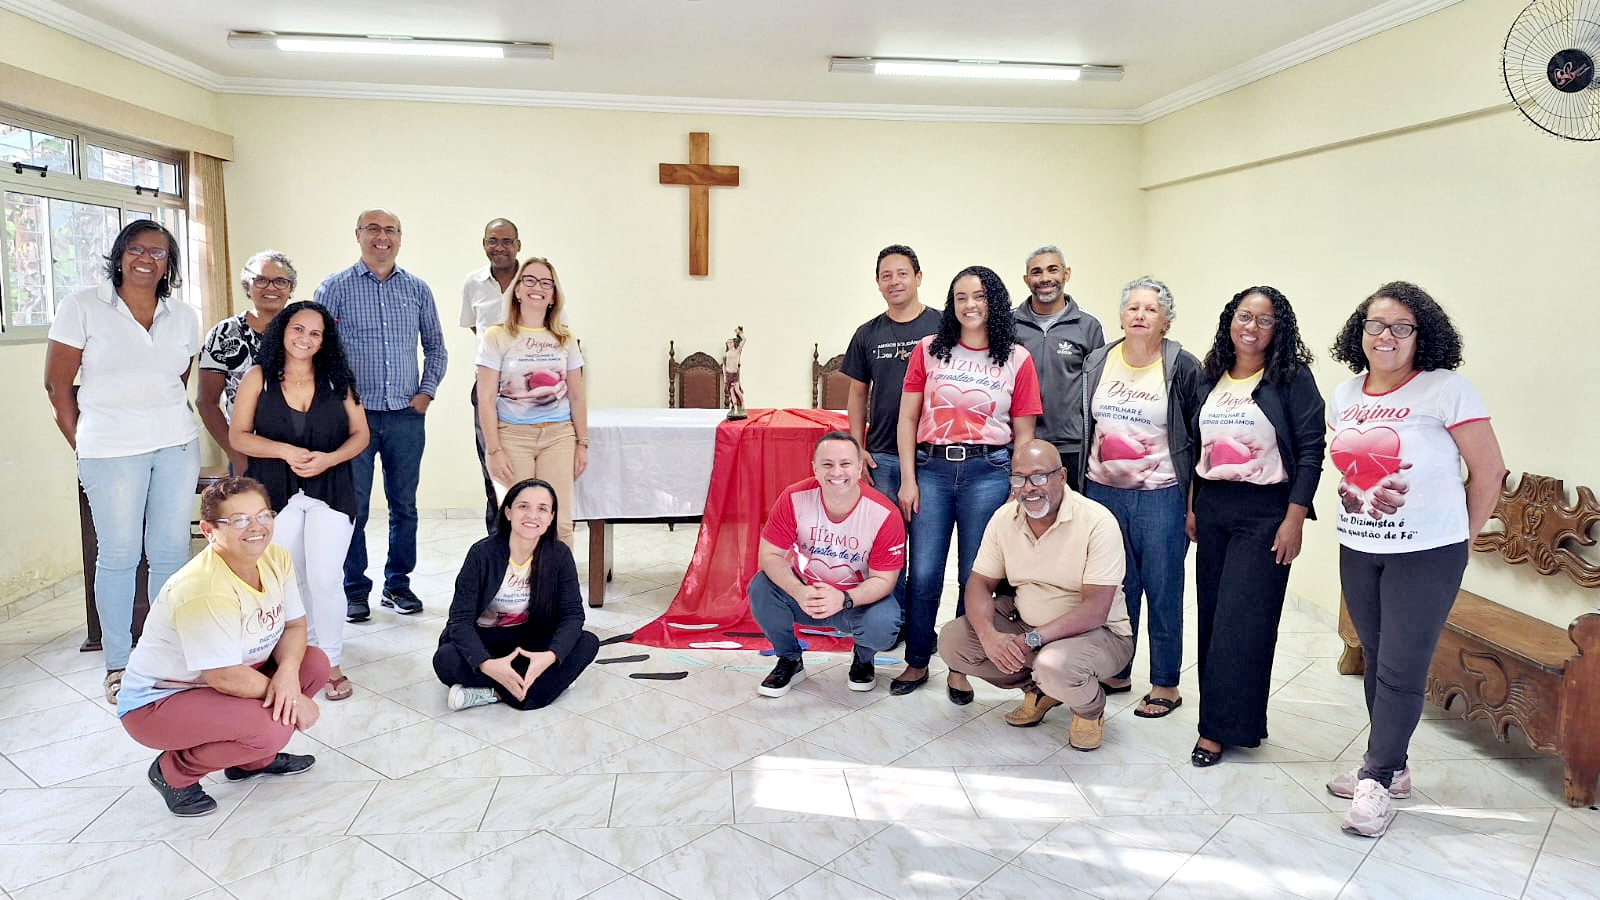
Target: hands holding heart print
point(1232, 457)
point(1374, 481)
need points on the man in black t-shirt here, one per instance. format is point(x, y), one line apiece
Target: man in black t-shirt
point(875, 362)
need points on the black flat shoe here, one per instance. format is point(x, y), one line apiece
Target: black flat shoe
point(958, 696)
point(900, 687)
point(1201, 758)
point(1113, 689)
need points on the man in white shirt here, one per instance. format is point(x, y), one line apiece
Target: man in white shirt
point(483, 304)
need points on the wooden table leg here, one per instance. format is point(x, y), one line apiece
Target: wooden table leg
point(1351, 661)
point(599, 571)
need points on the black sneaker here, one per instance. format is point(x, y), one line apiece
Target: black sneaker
point(787, 673)
point(863, 677)
point(282, 764)
point(356, 609)
point(189, 801)
point(401, 600)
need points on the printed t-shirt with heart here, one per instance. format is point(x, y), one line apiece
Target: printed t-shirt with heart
point(1237, 441)
point(1402, 436)
point(968, 399)
point(838, 553)
point(533, 367)
point(1129, 408)
point(509, 606)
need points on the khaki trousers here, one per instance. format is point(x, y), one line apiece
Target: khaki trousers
point(1070, 670)
point(542, 451)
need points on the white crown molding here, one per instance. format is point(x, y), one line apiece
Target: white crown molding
point(1341, 34)
point(1356, 28)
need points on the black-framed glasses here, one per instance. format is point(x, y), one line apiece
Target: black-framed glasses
point(242, 521)
point(155, 253)
point(531, 281)
point(1244, 317)
point(261, 282)
point(500, 242)
point(385, 230)
point(1037, 479)
point(1401, 330)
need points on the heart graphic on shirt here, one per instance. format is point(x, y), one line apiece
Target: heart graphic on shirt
point(543, 378)
point(838, 576)
point(1229, 452)
point(1120, 446)
point(959, 415)
point(1366, 457)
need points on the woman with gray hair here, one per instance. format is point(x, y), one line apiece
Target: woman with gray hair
point(1140, 396)
point(233, 345)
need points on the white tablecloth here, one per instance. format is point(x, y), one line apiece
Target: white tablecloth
point(647, 463)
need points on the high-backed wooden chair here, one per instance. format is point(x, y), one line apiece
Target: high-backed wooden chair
point(695, 383)
point(830, 388)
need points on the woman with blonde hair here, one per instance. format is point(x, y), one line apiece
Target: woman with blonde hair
point(531, 401)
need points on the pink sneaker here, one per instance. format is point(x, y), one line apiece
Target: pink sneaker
point(1369, 814)
point(1344, 784)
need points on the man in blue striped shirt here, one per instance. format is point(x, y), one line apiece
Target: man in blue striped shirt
point(383, 313)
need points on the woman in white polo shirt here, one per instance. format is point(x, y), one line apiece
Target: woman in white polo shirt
point(131, 347)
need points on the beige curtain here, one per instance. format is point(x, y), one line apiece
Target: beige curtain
point(208, 239)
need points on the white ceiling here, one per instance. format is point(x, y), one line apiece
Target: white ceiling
point(748, 55)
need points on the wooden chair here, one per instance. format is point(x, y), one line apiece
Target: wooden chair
point(695, 383)
point(830, 388)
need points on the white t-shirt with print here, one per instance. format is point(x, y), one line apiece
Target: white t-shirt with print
point(1237, 440)
point(510, 604)
point(533, 367)
point(1399, 443)
point(1129, 407)
point(968, 399)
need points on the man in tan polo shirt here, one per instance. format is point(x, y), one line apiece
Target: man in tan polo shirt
point(1068, 627)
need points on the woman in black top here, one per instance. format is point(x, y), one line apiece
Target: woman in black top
point(515, 633)
point(298, 419)
point(1261, 438)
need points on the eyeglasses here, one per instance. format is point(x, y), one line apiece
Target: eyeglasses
point(1037, 479)
point(1244, 317)
point(1401, 330)
point(529, 281)
point(242, 521)
point(262, 282)
point(375, 230)
point(155, 253)
point(500, 242)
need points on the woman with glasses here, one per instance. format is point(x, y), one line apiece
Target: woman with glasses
point(222, 677)
point(1140, 397)
point(130, 345)
point(1402, 428)
point(531, 402)
point(969, 391)
point(1261, 440)
point(232, 345)
point(298, 419)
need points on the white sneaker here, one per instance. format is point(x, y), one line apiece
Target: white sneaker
point(1344, 784)
point(462, 697)
point(1369, 814)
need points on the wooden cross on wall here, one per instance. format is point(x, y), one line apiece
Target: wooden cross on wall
point(699, 176)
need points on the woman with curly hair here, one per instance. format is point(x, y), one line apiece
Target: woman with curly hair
point(1140, 396)
point(1401, 432)
point(1261, 442)
point(298, 419)
point(970, 390)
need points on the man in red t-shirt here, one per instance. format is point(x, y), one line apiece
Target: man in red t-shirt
point(831, 552)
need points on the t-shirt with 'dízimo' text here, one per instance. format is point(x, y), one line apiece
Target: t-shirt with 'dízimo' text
point(871, 537)
point(969, 398)
point(1394, 451)
point(533, 366)
point(1129, 407)
point(1237, 440)
point(510, 604)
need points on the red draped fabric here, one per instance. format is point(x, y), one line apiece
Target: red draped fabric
point(756, 458)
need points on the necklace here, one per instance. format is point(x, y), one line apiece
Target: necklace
point(902, 351)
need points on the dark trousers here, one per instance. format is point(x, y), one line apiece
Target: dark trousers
point(1398, 603)
point(398, 436)
point(1240, 598)
point(1154, 545)
point(1070, 460)
point(491, 511)
point(452, 667)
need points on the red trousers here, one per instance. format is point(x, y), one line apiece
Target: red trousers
point(205, 731)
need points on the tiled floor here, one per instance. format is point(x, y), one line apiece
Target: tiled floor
point(699, 789)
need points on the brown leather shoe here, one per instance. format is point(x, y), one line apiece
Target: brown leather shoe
point(1086, 734)
point(1031, 710)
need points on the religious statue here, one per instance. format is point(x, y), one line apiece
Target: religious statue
point(732, 351)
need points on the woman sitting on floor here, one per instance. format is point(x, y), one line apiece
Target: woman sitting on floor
point(222, 676)
point(515, 633)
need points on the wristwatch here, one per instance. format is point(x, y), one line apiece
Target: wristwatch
point(1032, 639)
point(848, 602)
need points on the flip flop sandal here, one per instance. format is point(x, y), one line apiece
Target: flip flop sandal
point(641, 657)
point(659, 676)
point(339, 689)
point(617, 639)
point(1166, 705)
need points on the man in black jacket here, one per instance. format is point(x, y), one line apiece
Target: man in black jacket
point(1058, 334)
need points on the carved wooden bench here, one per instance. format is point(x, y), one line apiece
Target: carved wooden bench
point(1510, 668)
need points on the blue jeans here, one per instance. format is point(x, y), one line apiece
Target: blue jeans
point(886, 481)
point(873, 626)
point(959, 496)
point(1154, 545)
point(141, 506)
point(398, 435)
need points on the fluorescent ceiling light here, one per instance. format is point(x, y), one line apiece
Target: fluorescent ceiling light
point(387, 45)
point(974, 68)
